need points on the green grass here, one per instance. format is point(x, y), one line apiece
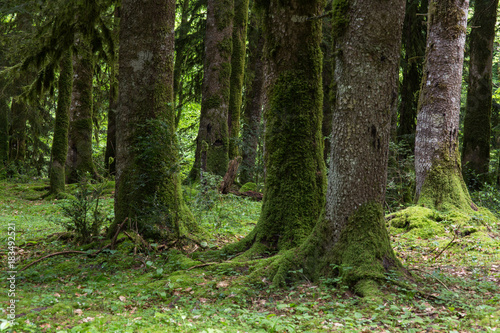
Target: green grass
point(124, 290)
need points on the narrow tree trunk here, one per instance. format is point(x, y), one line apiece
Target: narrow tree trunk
point(253, 100)
point(60, 141)
point(238, 56)
point(17, 131)
point(439, 182)
point(79, 160)
point(329, 86)
point(477, 129)
point(213, 131)
point(148, 188)
point(414, 37)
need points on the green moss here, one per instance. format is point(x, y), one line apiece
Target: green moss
point(224, 13)
point(248, 187)
point(225, 47)
point(340, 18)
point(444, 188)
point(211, 102)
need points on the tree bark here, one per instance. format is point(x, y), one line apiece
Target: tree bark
point(17, 132)
point(60, 141)
point(439, 182)
point(477, 129)
point(238, 57)
point(79, 161)
point(148, 188)
point(253, 100)
point(213, 131)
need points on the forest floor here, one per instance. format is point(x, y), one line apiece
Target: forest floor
point(456, 287)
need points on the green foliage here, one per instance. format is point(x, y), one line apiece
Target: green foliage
point(488, 197)
point(86, 216)
point(400, 176)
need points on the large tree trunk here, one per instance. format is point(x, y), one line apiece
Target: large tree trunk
point(352, 231)
point(476, 141)
point(60, 141)
point(212, 143)
point(148, 188)
point(79, 161)
point(439, 182)
point(253, 100)
point(238, 56)
point(413, 43)
point(295, 170)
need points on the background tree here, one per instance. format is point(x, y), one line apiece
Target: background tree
point(212, 143)
point(238, 57)
point(148, 189)
point(477, 130)
point(60, 141)
point(439, 182)
point(412, 61)
point(79, 160)
point(254, 97)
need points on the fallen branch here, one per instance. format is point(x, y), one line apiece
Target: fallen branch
point(113, 240)
point(447, 246)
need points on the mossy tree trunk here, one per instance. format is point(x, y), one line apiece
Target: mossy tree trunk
point(148, 188)
point(476, 140)
point(412, 61)
point(180, 56)
point(110, 153)
point(295, 170)
point(4, 129)
point(439, 182)
point(238, 57)
point(212, 143)
point(351, 234)
point(79, 161)
point(253, 99)
point(17, 131)
point(60, 141)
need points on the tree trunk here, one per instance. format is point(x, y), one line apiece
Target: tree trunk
point(439, 182)
point(213, 131)
point(351, 234)
point(17, 131)
point(295, 170)
point(476, 140)
point(413, 43)
point(79, 160)
point(238, 57)
point(148, 188)
point(253, 99)
point(60, 140)
point(329, 87)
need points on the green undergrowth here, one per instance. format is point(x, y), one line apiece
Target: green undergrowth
point(454, 259)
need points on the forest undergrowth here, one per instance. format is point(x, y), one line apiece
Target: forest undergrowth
point(455, 262)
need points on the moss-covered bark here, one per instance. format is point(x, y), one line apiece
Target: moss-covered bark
point(79, 160)
point(295, 170)
point(17, 131)
point(213, 128)
point(253, 99)
point(412, 60)
point(4, 129)
point(437, 165)
point(329, 87)
point(148, 189)
point(476, 140)
point(238, 56)
point(60, 141)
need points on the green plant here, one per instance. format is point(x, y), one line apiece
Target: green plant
point(86, 216)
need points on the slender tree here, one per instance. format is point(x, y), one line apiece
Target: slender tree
point(238, 56)
point(60, 141)
point(412, 61)
point(148, 189)
point(212, 143)
point(254, 96)
point(439, 182)
point(476, 140)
